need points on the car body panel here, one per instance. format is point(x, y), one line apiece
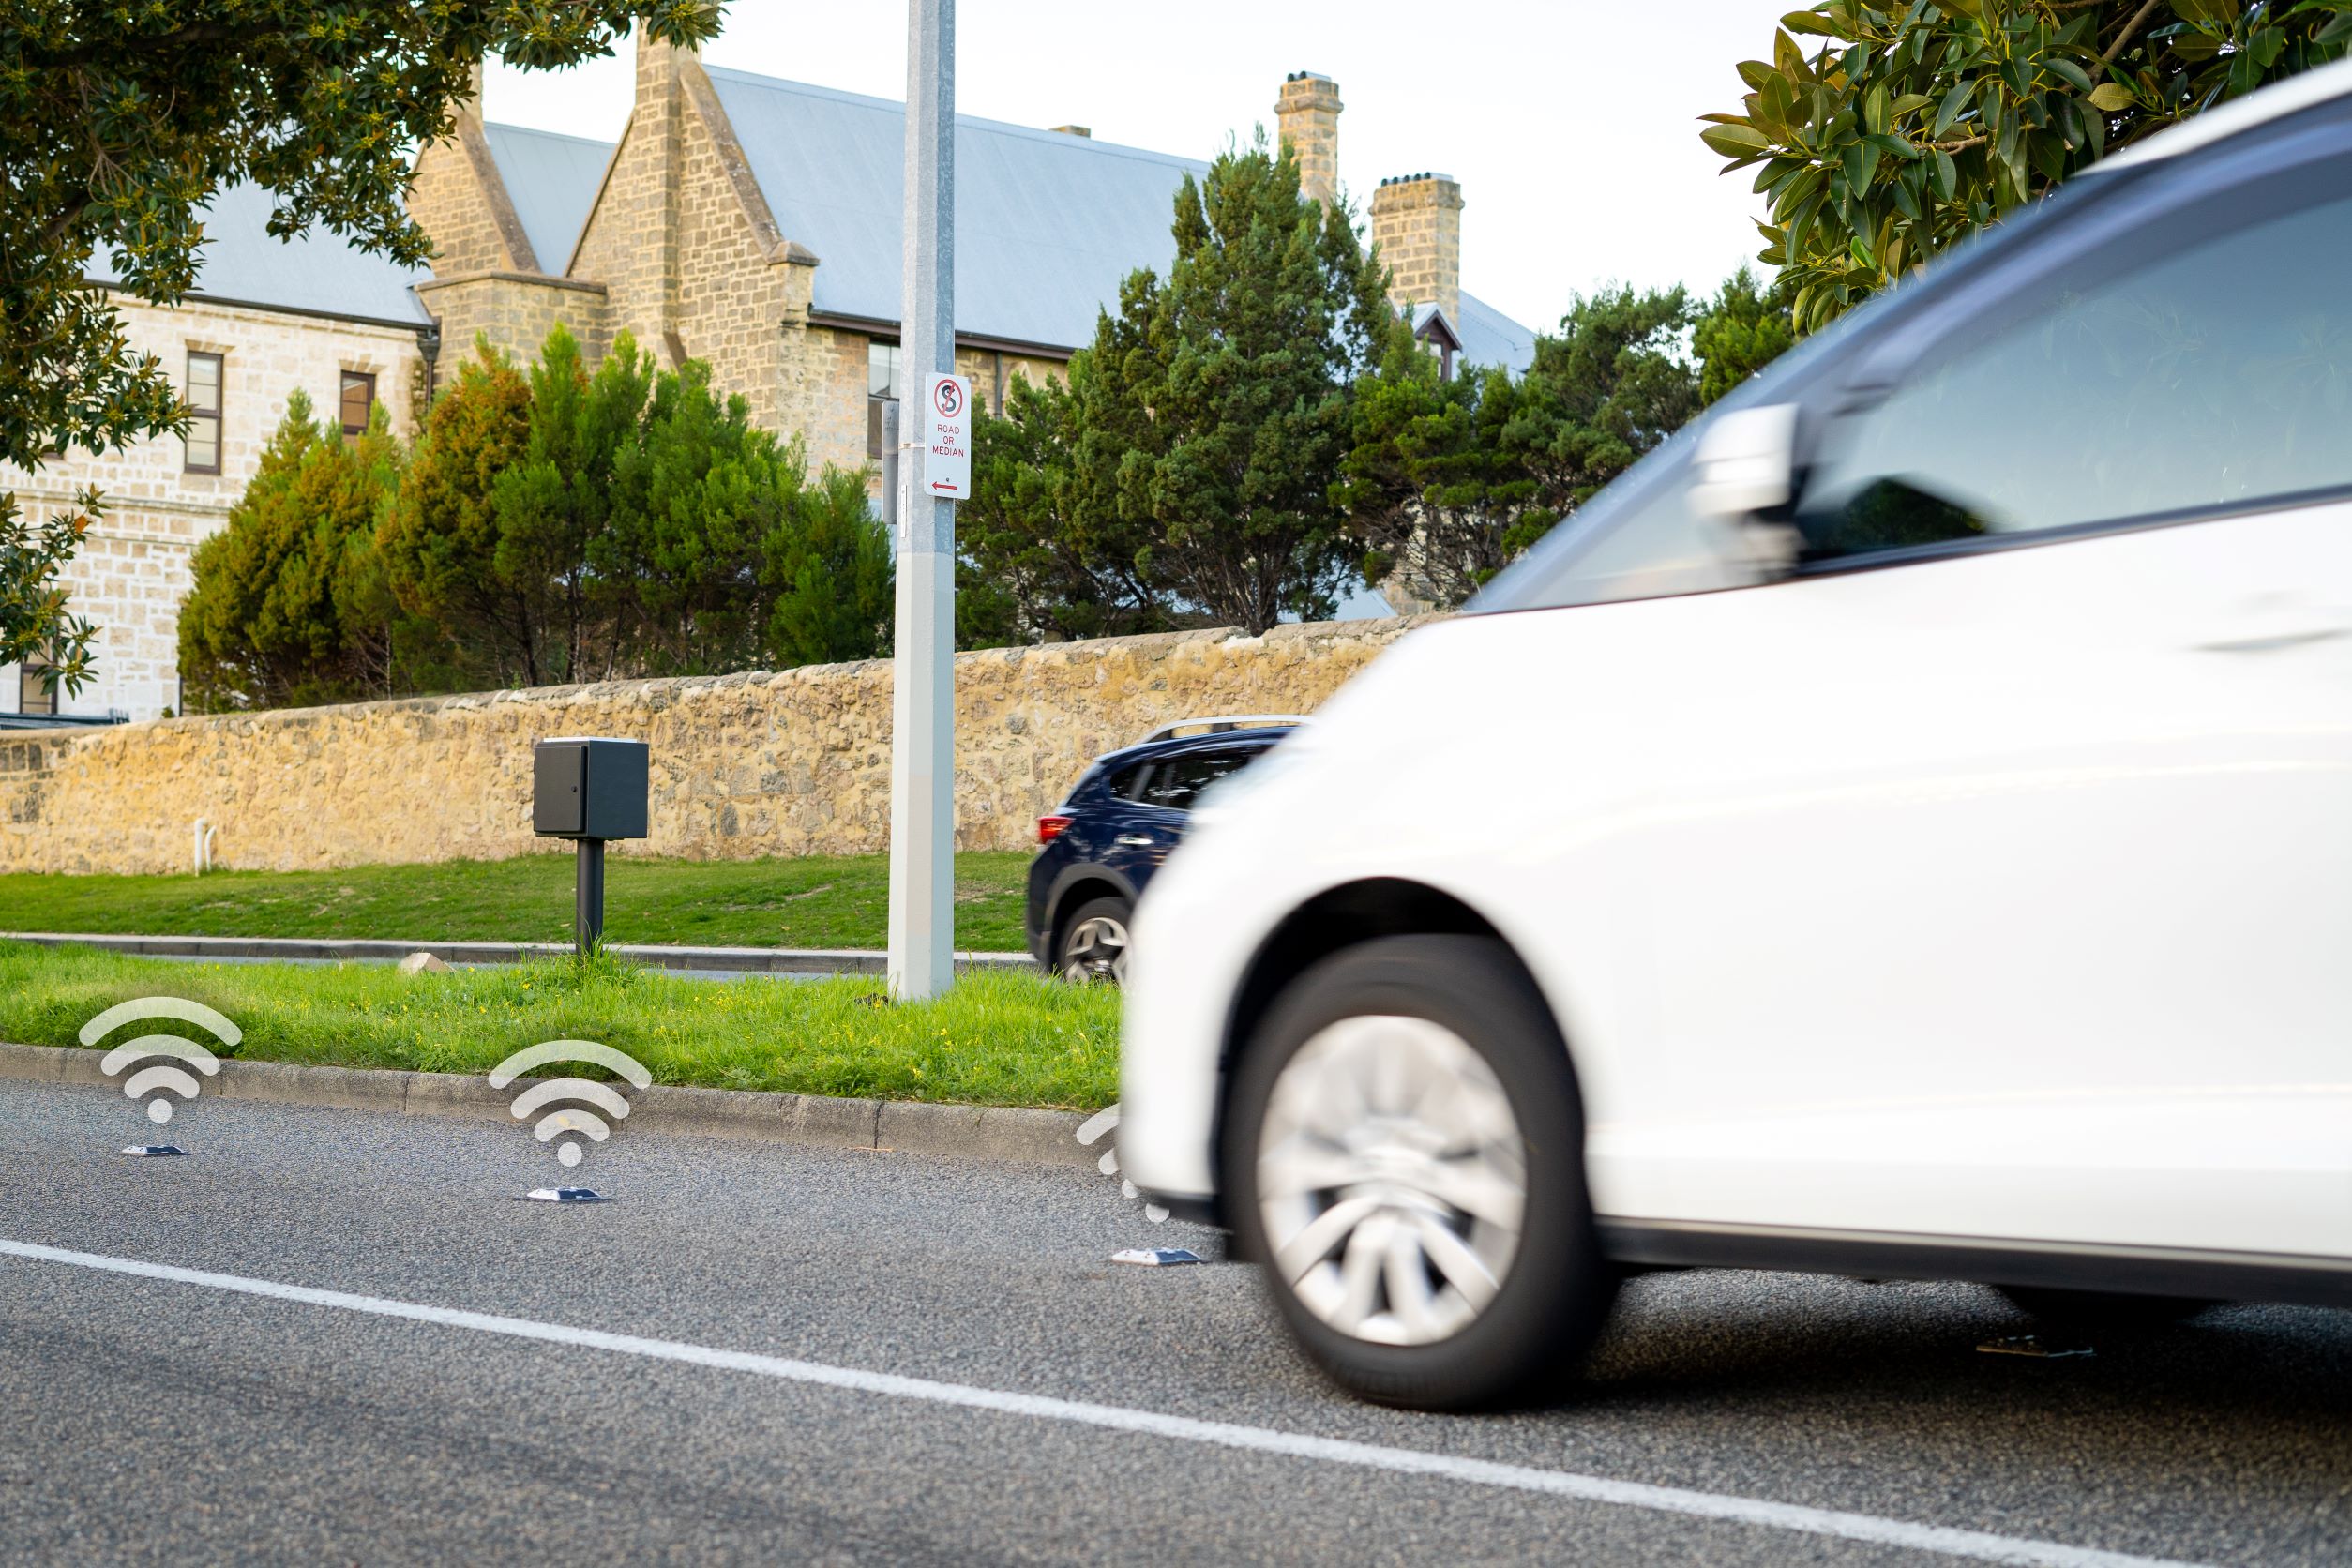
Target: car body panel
point(1996, 891)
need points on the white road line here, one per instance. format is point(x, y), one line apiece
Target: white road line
point(1974, 1544)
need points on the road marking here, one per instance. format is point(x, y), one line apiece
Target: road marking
point(1974, 1544)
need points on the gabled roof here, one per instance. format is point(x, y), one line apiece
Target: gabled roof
point(1491, 338)
point(315, 271)
point(1047, 225)
point(1431, 318)
point(552, 180)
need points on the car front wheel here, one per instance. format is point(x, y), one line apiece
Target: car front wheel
point(1406, 1161)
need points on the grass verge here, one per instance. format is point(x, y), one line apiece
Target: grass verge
point(809, 901)
point(995, 1039)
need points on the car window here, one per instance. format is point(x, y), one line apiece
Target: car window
point(1176, 782)
point(1122, 784)
point(1639, 539)
point(2212, 378)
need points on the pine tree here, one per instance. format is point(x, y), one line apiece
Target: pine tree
point(1212, 412)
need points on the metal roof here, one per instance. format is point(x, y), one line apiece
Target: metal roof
point(1491, 338)
point(314, 271)
point(1047, 225)
point(552, 179)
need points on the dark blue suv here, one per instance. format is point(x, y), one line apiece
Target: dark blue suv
point(1120, 821)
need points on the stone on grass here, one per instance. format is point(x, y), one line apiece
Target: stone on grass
point(423, 963)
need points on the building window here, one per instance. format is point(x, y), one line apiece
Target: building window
point(882, 384)
point(204, 407)
point(32, 695)
point(359, 401)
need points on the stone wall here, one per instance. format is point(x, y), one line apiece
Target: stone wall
point(794, 763)
point(515, 312)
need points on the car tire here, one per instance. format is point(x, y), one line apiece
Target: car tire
point(1093, 943)
point(1486, 1314)
point(2102, 1309)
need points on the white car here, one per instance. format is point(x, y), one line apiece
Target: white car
point(1902, 829)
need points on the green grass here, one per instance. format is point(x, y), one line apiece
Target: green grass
point(994, 1039)
point(814, 901)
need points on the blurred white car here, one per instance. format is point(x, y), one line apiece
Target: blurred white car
point(1902, 829)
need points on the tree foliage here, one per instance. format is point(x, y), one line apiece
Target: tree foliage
point(441, 538)
point(1909, 126)
point(1185, 472)
point(1448, 482)
point(1216, 402)
point(118, 121)
point(1037, 557)
point(830, 574)
point(1747, 328)
point(35, 621)
point(287, 607)
point(551, 524)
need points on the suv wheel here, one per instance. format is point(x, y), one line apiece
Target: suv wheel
point(1093, 944)
point(1407, 1162)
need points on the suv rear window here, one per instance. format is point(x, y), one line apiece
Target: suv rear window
point(1175, 783)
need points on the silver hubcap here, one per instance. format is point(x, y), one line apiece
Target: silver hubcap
point(1096, 950)
point(1391, 1179)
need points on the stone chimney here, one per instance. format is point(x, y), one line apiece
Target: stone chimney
point(1417, 223)
point(471, 101)
point(1074, 130)
point(1309, 112)
point(656, 137)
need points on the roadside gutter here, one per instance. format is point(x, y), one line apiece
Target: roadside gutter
point(754, 960)
point(903, 1126)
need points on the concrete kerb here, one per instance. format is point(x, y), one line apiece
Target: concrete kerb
point(753, 960)
point(912, 1127)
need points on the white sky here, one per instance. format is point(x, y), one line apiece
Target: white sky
point(1570, 123)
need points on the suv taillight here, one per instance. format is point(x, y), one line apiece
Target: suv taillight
point(1049, 828)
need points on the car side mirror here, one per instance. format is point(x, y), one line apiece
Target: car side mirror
point(1745, 468)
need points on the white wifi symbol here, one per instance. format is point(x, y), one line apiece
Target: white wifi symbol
point(564, 1118)
point(1095, 1126)
point(157, 1082)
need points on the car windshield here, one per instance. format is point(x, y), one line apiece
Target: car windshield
point(1637, 539)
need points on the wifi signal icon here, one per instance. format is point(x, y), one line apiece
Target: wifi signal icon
point(158, 1081)
point(1094, 1126)
point(565, 1119)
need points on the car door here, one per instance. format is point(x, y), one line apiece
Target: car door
point(1164, 798)
point(1997, 865)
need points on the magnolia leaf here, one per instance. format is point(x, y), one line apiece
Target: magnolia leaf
point(2068, 72)
point(2112, 96)
point(1955, 104)
point(1736, 140)
point(1809, 21)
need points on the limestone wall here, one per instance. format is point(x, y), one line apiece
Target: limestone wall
point(793, 763)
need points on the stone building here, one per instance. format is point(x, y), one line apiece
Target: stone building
point(755, 223)
point(266, 318)
point(740, 220)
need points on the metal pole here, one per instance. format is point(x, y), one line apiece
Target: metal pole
point(588, 895)
point(890, 465)
point(923, 703)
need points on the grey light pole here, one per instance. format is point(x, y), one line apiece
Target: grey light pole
point(923, 698)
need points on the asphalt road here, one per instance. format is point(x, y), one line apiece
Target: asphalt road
point(149, 1417)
